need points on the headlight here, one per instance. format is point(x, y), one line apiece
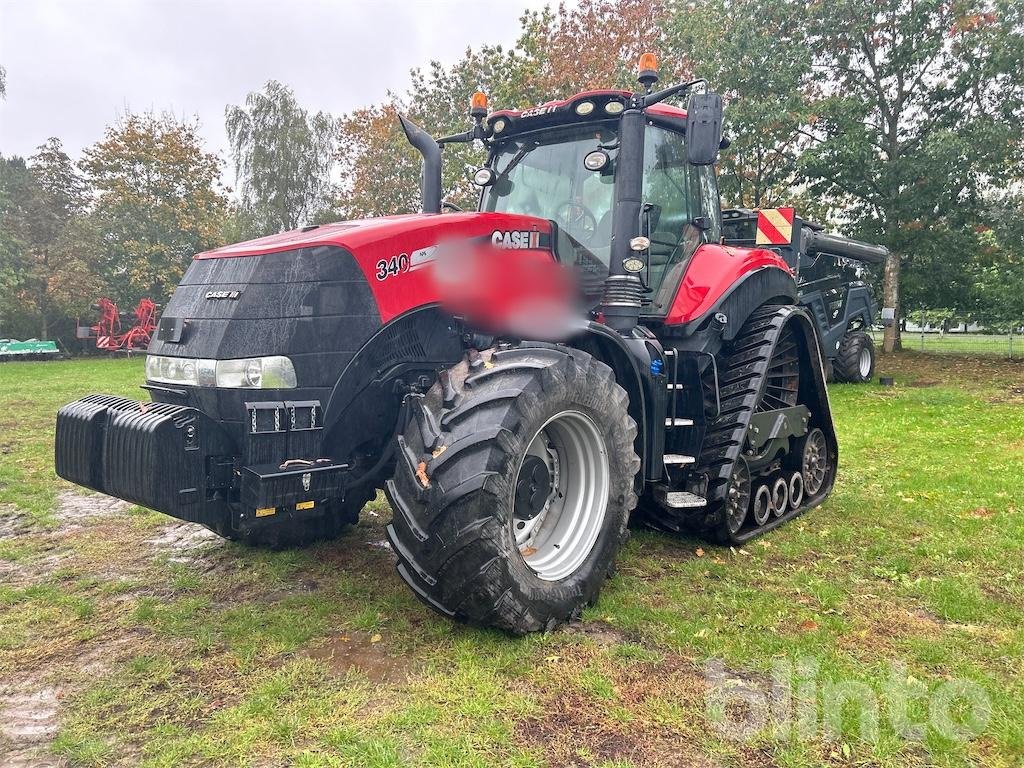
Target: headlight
point(276, 372)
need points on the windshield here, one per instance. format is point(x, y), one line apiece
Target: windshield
point(544, 176)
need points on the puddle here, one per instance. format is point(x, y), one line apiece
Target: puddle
point(356, 652)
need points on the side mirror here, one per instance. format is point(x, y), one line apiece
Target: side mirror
point(703, 128)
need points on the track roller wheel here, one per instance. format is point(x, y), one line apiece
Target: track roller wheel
point(510, 504)
point(780, 497)
point(796, 490)
point(762, 509)
point(738, 497)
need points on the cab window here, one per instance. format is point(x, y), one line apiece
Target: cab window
point(671, 201)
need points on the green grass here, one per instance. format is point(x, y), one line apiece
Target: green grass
point(909, 578)
point(30, 394)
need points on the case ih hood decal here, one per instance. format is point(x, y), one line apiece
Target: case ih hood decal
point(517, 240)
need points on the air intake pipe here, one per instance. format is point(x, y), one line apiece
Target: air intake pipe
point(430, 179)
point(622, 290)
point(819, 242)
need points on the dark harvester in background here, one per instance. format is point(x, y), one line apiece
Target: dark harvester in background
point(829, 272)
point(294, 375)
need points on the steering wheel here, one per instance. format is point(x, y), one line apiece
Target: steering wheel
point(578, 219)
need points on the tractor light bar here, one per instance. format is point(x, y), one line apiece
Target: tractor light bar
point(274, 372)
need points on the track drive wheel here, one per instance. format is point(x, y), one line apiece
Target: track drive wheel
point(855, 358)
point(512, 491)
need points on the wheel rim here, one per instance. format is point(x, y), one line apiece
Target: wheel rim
point(556, 527)
point(737, 500)
point(815, 462)
point(864, 363)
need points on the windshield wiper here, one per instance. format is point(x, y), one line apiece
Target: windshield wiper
point(516, 159)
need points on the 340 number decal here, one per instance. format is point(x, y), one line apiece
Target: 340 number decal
point(396, 265)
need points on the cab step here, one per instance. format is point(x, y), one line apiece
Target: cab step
point(678, 499)
point(670, 422)
point(678, 459)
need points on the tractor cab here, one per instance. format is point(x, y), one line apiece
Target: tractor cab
point(567, 173)
point(560, 161)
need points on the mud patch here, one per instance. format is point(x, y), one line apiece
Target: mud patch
point(187, 543)
point(1012, 396)
point(28, 723)
point(12, 524)
point(19, 572)
point(572, 730)
point(601, 634)
point(364, 654)
point(73, 509)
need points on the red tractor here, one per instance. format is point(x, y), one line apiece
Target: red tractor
point(107, 329)
point(293, 375)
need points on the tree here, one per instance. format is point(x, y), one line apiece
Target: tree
point(595, 44)
point(3, 83)
point(380, 171)
point(999, 269)
point(15, 185)
point(52, 250)
point(918, 112)
point(159, 202)
point(754, 53)
point(283, 158)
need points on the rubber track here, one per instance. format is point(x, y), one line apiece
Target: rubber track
point(742, 381)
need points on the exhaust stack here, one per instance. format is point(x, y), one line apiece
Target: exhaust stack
point(430, 179)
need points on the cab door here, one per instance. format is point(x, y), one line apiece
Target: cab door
point(680, 212)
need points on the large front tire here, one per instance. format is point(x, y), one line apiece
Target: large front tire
point(511, 501)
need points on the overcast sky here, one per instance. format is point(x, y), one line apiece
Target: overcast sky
point(75, 66)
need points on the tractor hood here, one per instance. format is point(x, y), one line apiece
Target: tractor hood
point(317, 295)
point(391, 252)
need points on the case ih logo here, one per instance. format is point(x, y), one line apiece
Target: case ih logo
point(538, 111)
point(223, 294)
point(516, 239)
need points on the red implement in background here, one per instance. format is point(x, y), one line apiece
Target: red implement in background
point(107, 329)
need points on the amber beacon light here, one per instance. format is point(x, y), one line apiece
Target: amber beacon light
point(478, 105)
point(647, 69)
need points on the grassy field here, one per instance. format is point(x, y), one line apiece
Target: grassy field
point(128, 639)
